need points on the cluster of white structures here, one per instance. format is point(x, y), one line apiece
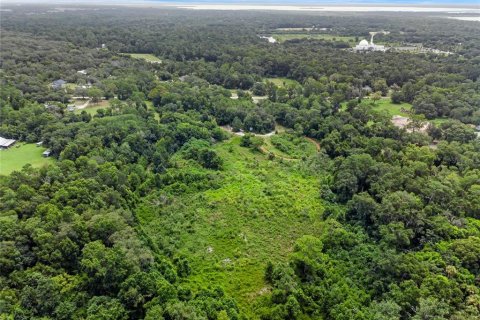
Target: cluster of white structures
point(365, 46)
point(269, 39)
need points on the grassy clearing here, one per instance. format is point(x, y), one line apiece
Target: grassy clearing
point(393, 109)
point(144, 56)
point(150, 107)
point(315, 36)
point(254, 214)
point(282, 82)
point(16, 157)
point(93, 107)
point(386, 105)
point(439, 121)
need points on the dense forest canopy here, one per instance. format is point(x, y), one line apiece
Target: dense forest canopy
point(232, 178)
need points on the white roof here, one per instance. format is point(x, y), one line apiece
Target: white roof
point(363, 43)
point(6, 142)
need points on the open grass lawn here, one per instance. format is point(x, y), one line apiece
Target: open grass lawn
point(281, 82)
point(255, 211)
point(19, 155)
point(388, 106)
point(394, 109)
point(145, 56)
point(439, 121)
point(93, 107)
point(282, 37)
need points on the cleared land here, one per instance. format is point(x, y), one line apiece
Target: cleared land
point(282, 37)
point(19, 155)
point(93, 107)
point(145, 56)
point(253, 212)
point(282, 82)
point(391, 108)
point(394, 109)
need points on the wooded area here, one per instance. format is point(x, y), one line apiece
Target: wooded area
point(204, 190)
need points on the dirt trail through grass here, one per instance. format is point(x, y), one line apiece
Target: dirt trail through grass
point(265, 150)
point(255, 213)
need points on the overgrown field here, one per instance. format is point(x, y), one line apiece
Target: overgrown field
point(252, 213)
point(145, 56)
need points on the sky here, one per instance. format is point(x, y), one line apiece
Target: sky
point(333, 2)
point(279, 2)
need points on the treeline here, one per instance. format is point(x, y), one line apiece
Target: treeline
point(211, 47)
point(71, 245)
point(401, 216)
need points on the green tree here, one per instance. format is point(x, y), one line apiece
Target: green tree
point(96, 94)
point(375, 97)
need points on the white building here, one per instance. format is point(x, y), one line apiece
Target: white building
point(365, 46)
point(6, 143)
point(269, 39)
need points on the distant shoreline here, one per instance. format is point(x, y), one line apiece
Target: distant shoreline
point(332, 8)
point(304, 7)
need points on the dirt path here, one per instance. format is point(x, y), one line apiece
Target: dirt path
point(264, 150)
point(83, 106)
point(241, 133)
point(315, 142)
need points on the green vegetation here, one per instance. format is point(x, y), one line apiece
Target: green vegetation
point(439, 121)
point(92, 108)
point(282, 37)
point(19, 155)
point(282, 81)
point(392, 109)
point(151, 107)
point(290, 146)
point(253, 215)
point(144, 56)
point(71, 86)
point(171, 200)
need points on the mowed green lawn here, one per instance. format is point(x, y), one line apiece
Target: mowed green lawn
point(388, 106)
point(19, 155)
point(145, 56)
point(282, 37)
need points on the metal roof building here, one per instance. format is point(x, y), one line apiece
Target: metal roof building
point(6, 143)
